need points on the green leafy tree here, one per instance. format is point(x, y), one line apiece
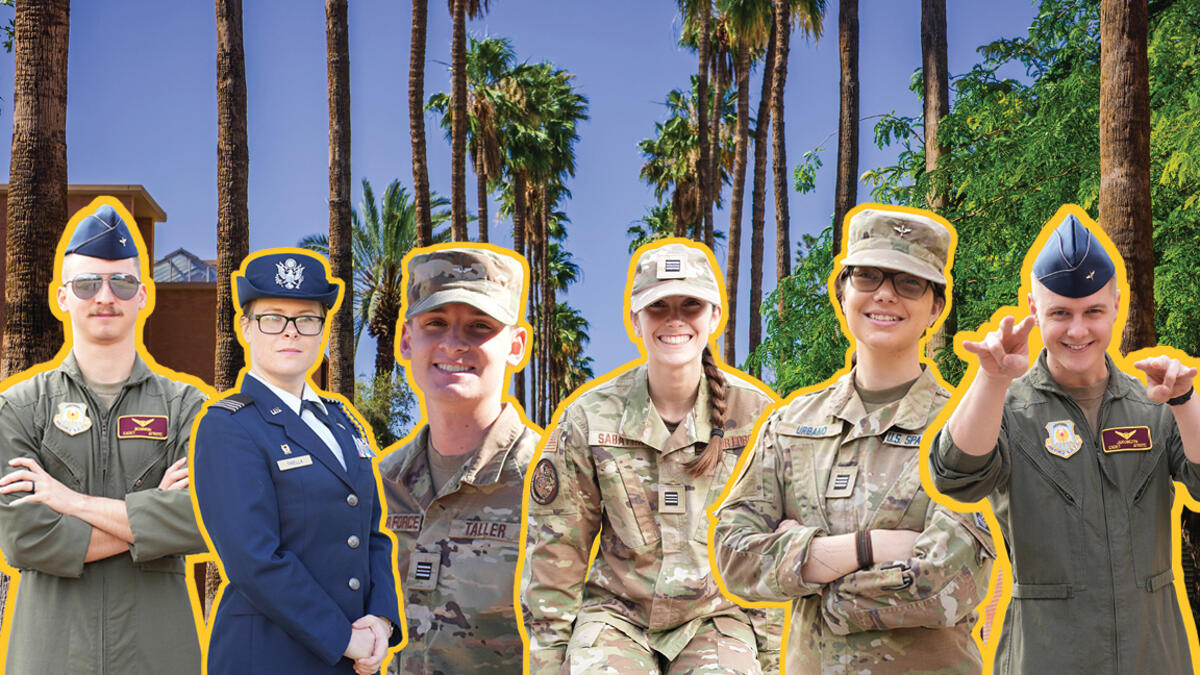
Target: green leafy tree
point(386, 403)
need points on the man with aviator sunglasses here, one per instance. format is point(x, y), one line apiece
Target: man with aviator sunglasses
point(95, 509)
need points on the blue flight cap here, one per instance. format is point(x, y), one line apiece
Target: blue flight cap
point(294, 274)
point(103, 235)
point(1073, 263)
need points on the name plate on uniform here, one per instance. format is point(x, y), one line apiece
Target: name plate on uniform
point(153, 427)
point(902, 439)
point(485, 529)
point(423, 571)
point(405, 522)
point(1126, 439)
point(734, 441)
point(841, 481)
point(294, 462)
point(611, 439)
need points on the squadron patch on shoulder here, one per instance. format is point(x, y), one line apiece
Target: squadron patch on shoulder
point(1062, 440)
point(543, 487)
point(1126, 439)
point(73, 418)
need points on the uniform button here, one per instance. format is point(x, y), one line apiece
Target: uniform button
point(352, 542)
point(353, 583)
point(352, 500)
point(137, 482)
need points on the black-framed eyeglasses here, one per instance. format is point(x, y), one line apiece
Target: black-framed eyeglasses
point(86, 286)
point(868, 279)
point(274, 324)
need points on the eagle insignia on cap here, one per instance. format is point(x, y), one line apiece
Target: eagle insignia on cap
point(902, 229)
point(290, 274)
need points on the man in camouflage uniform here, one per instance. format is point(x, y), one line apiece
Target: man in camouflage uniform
point(839, 466)
point(613, 467)
point(454, 488)
point(96, 512)
point(1078, 460)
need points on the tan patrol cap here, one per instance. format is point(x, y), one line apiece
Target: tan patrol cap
point(898, 240)
point(482, 278)
point(673, 269)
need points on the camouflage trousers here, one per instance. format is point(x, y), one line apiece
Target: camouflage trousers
point(597, 647)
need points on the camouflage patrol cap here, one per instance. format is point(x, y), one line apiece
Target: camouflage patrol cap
point(898, 240)
point(482, 278)
point(673, 269)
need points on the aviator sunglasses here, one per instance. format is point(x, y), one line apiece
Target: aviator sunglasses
point(86, 286)
point(867, 279)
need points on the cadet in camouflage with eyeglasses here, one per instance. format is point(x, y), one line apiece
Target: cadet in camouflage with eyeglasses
point(636, 460)
point(830, 513)
point(454, 488)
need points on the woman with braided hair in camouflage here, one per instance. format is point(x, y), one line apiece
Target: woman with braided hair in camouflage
point(636, 459)
point(830, 513)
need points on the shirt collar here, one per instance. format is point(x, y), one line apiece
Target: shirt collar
point(640, 419)
point(140, 371)
point(289, 399)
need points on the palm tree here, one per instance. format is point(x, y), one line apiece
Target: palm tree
point(936, 95)
point(341, 334)
point(416, 122)
point(37, 195)
point(489, 63)
point(1125, 158)
point(382, 236)
point(570, 368)
point(460, 11)
point(701, 11)
point(722, 68)
point(233, 214)
point(758, 195)
point(846, 189)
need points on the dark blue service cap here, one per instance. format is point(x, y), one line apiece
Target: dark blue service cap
point(103, 235)
point(1073, 263)
point(294, 274)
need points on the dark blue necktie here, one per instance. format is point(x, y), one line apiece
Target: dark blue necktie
point(340, 434)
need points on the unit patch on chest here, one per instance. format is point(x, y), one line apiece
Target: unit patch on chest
point(404, 522)
point(485, 529)
point(612, 440)
point(841, 482)
point(73, 418)
point(153, 427)
point(902, 439)
point(1062, 440)
point(671, 499)
point(423, 571)
point(1126, 439)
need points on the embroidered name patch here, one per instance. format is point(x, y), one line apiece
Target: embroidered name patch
point(815, 432)
point(902, 439)
point(153, 427)
point(612, 440)
point(1126, 439)
point(1062, 439)
point(543, 486)
point(404, 522)
point(485, 529)
point(734, 441)
point(294, 462)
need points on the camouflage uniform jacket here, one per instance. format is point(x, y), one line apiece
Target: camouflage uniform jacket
point(128, 613)
point(822, 461)
point(619, 473)
point(1086, 519)
point(457, 552)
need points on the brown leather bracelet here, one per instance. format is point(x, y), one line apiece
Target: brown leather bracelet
point(862, 545)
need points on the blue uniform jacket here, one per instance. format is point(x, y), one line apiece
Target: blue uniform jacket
point(298, 536)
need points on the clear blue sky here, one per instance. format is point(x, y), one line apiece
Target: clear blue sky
point(142, 109)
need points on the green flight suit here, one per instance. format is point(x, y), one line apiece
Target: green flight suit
point(128, 613)
point(1086, 517)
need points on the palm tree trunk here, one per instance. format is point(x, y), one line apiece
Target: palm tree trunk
point(714, 154)
point(519, 245)
point(846, 190)
point(481, 194)
point(37, 183)
point(937, 105)
point(383, 328)
point(416, 123)
point(1125, 158)
point(742, 72)
point(703, 204)
point(547, 309)
point(233, 216)
point(458, 123)
point(341, 333)
point(758, 208)
point(783, 239)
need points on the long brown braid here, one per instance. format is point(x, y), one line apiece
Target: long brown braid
point(711, 455)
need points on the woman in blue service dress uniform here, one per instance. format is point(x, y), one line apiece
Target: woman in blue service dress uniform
point(287, 492)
